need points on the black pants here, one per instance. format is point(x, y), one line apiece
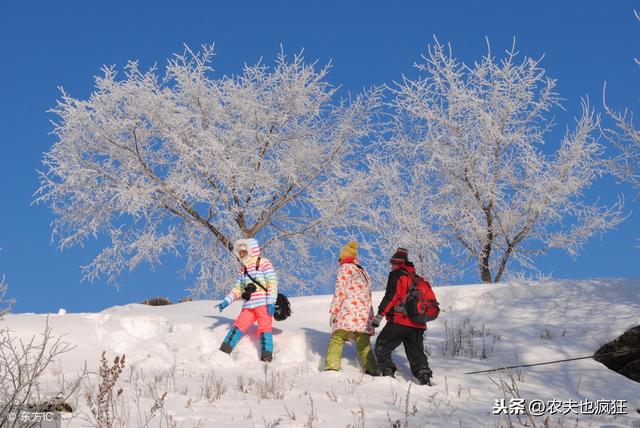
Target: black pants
point(412, 338)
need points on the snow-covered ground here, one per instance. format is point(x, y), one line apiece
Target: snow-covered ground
point(174, 349)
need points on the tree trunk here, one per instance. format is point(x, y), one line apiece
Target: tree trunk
point(485, 254)
point(503, 263)
point(485, 272)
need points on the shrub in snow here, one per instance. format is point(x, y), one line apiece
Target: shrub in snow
point(213, 387)
point(157, 301)
point(462, 338)
point(104, 401)
point(22, 365)
point(274, 385)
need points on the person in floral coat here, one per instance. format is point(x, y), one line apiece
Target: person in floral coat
point(351, 312)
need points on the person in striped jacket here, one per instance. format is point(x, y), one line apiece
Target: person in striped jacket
point(257, 284)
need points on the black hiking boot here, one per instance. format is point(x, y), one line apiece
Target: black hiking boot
point(424, 377)
point(226, 348)
point(233, 336)
point(266, 347)
point(389, 371)
point(372, 373)
point(424, 381)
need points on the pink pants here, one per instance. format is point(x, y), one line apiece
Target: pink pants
point(248, 316)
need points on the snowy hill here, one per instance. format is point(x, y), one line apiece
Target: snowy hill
point(174, 349)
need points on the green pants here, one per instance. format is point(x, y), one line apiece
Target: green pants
point(363, 349)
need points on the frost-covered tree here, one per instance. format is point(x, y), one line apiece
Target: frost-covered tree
point(399, 215)
point(187, 162)
point(496, 193)
point(626, 136)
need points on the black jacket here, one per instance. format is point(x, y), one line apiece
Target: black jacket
point(390, 292)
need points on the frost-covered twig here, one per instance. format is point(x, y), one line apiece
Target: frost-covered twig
point(312, 416)
point(510, 387)
point(104, 402)
point(213, 387)
point(273, 387)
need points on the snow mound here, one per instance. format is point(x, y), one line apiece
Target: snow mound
point(480, 327)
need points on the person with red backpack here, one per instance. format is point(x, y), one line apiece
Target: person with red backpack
point(408, 303)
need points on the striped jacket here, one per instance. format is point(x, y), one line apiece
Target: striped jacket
point(264, 274)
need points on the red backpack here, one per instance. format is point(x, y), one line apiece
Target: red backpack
point(420, 303)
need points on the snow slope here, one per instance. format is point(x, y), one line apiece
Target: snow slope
point(174, 349)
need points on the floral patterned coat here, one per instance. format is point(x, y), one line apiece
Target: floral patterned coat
point(351, 307)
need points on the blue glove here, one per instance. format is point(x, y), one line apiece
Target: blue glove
point(271, 309)
point(223, 304)
point(376, 321)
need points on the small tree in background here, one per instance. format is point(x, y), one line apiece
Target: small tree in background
point(186, 163)
point(5, 305)
point(478, 133)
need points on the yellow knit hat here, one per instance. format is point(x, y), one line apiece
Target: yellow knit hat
point(349, 250)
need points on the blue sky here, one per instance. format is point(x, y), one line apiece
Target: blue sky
point(49, 44)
